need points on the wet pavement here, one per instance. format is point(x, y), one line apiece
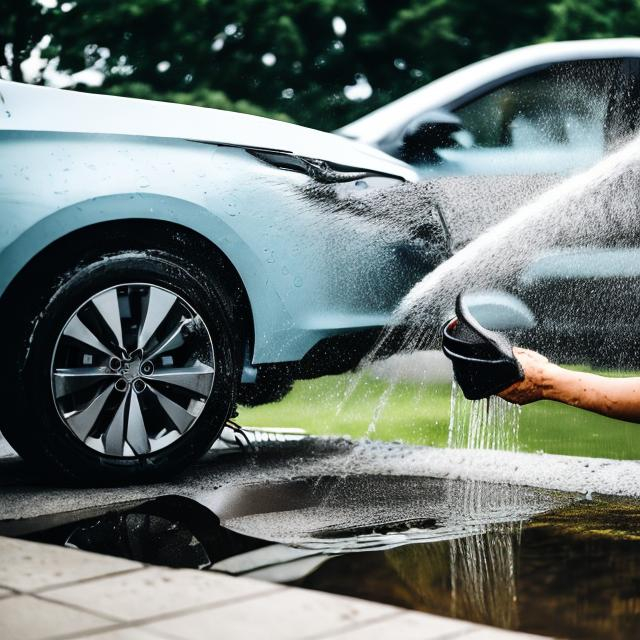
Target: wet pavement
point(24, 495)
point(408, 526)
point(50, 593)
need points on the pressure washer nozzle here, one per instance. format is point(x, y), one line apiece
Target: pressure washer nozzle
point(483, 360)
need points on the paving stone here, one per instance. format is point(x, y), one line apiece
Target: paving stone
point(288, 614)
point(408, 626)
point(129, 633)
point(28, 566)
point(155, 591)
point(27, 618)
point(490, 633)
point(190, 604)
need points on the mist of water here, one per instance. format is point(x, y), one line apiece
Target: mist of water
point(597, 208)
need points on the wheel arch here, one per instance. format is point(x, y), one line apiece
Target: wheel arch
point(68, 249)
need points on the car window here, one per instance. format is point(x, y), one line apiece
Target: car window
point(548, 121)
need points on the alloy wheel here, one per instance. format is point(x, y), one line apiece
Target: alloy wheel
point(132, 370)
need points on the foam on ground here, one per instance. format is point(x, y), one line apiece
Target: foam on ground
point(547, 471)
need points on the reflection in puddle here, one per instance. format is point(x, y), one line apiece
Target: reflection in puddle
point(171, 531)
point(482, 565)
point(573, 572)
point(519, 558)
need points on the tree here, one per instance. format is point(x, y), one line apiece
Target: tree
point(572, 19)
point(319, 62)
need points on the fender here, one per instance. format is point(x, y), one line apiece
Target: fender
point(54, 183)
point(127, 206)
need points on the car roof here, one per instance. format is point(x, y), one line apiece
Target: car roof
point(376, 125)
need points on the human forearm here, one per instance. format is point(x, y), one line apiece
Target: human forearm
point(614, 397)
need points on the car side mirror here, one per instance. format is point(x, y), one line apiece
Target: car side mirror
point(429, 131)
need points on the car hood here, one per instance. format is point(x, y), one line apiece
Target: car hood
point(33, 108)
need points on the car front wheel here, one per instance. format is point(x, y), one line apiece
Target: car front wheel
point(127, 372)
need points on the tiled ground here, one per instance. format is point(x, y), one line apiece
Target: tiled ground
point(48, 593)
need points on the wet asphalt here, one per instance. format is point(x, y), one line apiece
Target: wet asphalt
point(26, 495)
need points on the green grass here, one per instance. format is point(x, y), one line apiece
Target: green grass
point(418, 413)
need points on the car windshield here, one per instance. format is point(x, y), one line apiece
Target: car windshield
point(554, 120)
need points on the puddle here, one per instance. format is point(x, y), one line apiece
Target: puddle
point(534, 560)
point(336, 515)
point(572, 573)
point(169, 531)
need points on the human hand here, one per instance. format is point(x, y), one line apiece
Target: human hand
point(536, 375)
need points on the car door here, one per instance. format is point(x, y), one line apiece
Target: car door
point(559, 119)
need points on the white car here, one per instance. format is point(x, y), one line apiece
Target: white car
point(157, 258)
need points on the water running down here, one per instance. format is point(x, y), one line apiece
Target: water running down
point(482, 424)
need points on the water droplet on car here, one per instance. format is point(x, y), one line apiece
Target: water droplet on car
point(297, 281)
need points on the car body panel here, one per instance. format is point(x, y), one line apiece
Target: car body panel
point(583, 264)
point(75, 112)
point(304, 277)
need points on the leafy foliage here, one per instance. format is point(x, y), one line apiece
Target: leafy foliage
point(288, 58)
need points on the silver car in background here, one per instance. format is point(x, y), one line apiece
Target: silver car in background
point(493, 135)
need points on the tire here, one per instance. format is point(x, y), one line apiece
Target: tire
point(272, 385)
point(146, 425)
